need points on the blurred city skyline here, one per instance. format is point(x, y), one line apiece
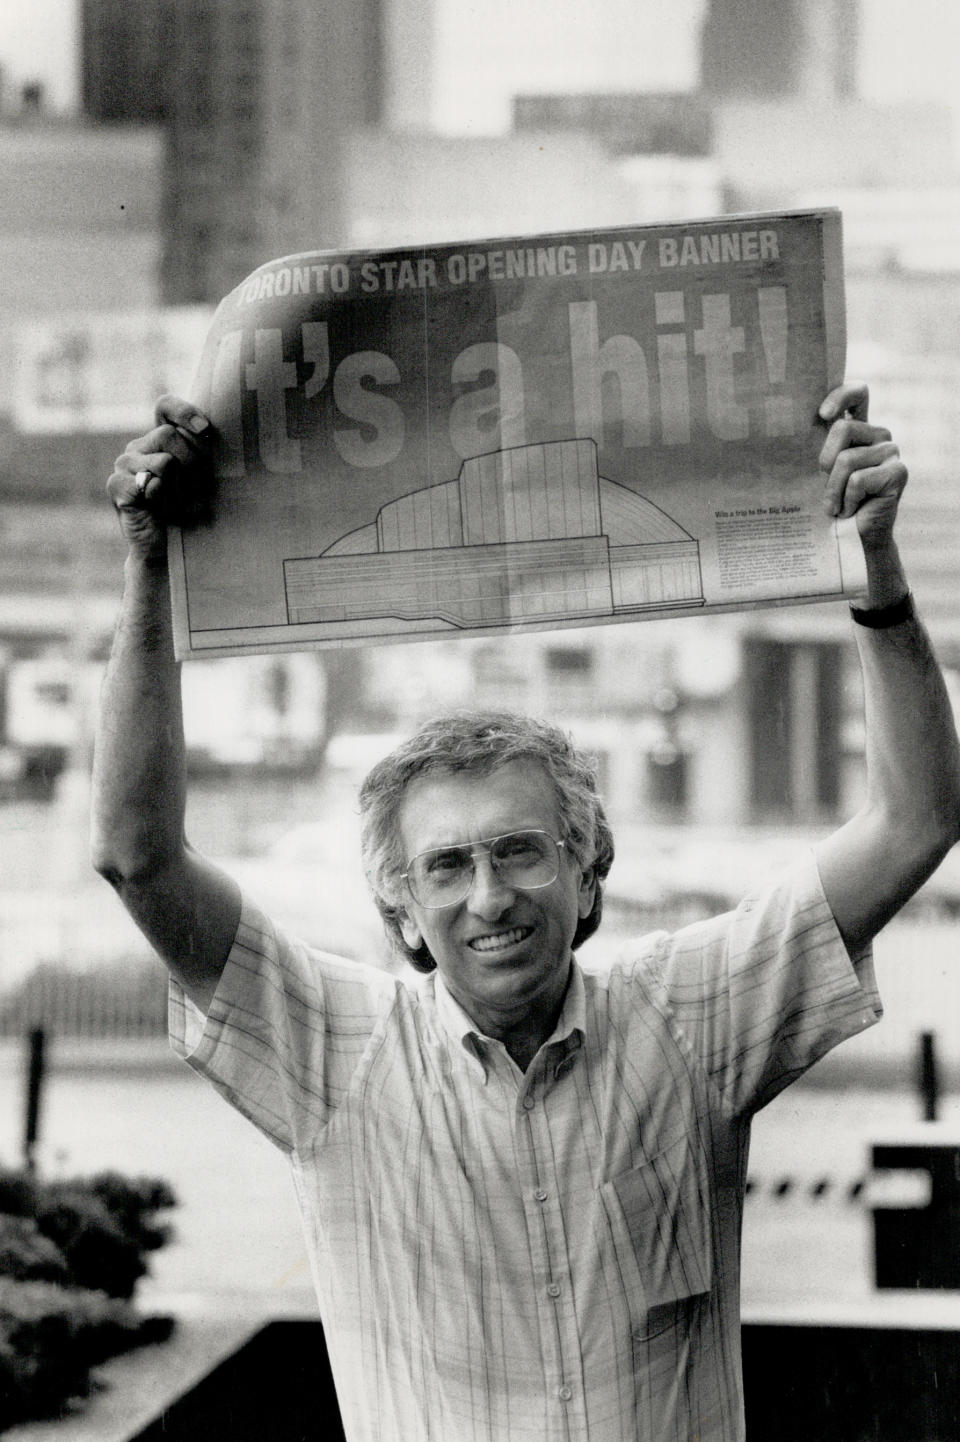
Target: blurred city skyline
point(906, 53)
point(282, 133)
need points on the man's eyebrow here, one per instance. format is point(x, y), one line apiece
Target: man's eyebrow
point(485, 840)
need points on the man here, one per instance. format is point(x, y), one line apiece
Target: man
point(521, 1184)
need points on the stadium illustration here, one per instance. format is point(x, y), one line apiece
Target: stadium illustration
point(531, 534)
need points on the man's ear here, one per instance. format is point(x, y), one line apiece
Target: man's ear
point(409, 929)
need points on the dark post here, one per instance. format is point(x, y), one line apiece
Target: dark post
point(929, 1079)
point(35, 1075)
point(916, 1246)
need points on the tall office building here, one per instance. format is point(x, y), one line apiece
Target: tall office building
point(259, 96)
point(122, 57)
point(778, 49)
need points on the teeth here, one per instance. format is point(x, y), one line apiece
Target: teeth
point(493, 943)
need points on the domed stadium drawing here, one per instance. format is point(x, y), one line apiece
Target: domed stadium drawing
point(531, 534)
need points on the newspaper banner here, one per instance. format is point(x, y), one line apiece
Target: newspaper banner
point(518, 434)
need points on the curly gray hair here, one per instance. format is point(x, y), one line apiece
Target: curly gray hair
point(479, 743)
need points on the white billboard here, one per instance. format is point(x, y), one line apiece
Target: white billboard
point(102, 371)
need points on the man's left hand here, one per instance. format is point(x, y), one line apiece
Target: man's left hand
point(865, 475)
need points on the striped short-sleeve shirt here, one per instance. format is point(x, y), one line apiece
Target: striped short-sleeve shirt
point(528, 1257)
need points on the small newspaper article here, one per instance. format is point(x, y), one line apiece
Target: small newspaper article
point(519, 434)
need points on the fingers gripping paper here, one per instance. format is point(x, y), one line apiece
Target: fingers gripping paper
point(518, 434)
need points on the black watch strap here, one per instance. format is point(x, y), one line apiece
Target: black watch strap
point(878, 620)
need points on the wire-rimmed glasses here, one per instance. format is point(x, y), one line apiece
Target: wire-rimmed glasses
point(444, 875)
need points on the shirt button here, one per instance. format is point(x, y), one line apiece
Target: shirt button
point(564, 1393)
point(553, 1290)
point(529, 1103)
point(540, 1194)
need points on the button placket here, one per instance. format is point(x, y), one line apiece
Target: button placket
point(561, 1354)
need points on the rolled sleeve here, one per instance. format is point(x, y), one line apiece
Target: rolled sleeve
point(767, 990)
point(286, 1028)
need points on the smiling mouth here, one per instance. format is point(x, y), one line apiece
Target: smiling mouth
point(501, 940)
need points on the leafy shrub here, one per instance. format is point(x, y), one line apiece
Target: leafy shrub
point(26, 1255)
point(71, 1253)
point(17, 1194)
point(134, 1203)
point(98, 1252)
point(51, 1337)
point(101, 1226)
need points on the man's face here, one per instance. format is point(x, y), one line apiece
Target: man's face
point(502, 952)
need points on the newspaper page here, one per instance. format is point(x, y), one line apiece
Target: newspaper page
point(519, 434)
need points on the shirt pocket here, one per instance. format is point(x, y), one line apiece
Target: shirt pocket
point(659, 1221)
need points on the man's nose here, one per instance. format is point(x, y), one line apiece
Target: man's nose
point(490, 895)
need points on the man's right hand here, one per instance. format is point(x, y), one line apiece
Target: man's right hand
point(163, 478)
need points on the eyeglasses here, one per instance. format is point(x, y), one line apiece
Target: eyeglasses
point(444, 876)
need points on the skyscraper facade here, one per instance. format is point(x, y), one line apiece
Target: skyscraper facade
point(777, 49)
point(259, 95)
point(122, 58)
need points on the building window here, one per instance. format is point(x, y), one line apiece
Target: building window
point(794, 722)
point(667, 779)
point(573, 663)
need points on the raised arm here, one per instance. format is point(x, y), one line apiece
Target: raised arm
point(187, 908)
point(911, 813)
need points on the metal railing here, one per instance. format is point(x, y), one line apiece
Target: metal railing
point(77, 968)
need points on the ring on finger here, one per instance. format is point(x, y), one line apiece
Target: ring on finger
point(141, 481)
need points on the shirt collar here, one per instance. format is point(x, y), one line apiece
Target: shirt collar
point(570, 1028)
